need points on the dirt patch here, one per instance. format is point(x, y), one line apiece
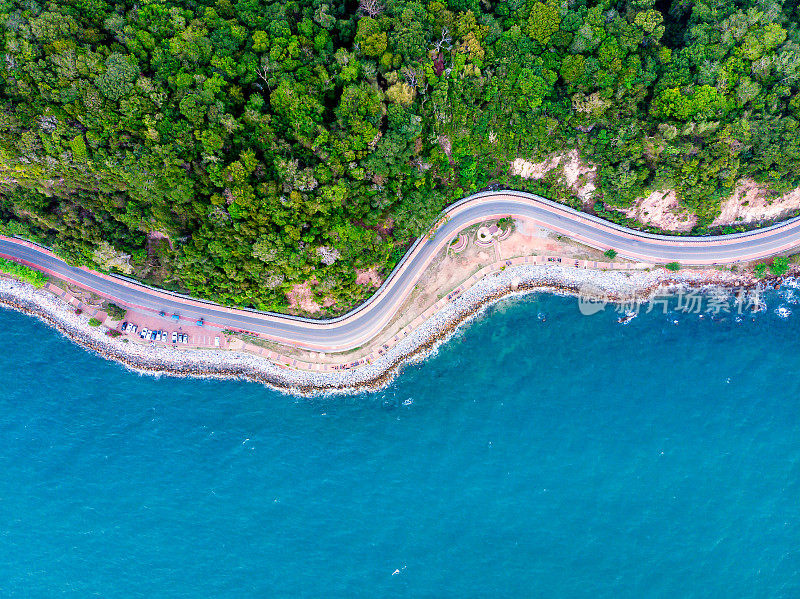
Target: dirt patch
point(159, 265)
point(661, 209)
point(155, 236)
point(368, 276)
point(580, 177)
point(301, 298)
point(533, 170)
point(752, 203)
point(446, 145)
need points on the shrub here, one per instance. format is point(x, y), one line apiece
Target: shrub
point(505, 222)
point(760, 269)
point(113, 333)
point(116, 312)
point(34, 277)
point(610, 254)
point(93, 322)
point(673, 266)
point(779, 266)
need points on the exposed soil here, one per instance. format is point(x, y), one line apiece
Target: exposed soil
point(301, 299)
point(580, 177)
point(370, 277)
point(751, 203)
point(661, 209)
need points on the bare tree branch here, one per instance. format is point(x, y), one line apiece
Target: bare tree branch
point(371, 8)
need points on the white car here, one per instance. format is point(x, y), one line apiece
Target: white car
point(174, 336)
point(185, 338)
point(216, 341)
point(144, 333)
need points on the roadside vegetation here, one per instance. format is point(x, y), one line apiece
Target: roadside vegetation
point(22, 272)
point(778, 267)
point(115, 312)
point(235, 148)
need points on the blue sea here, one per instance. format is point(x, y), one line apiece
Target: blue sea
point(539, 453)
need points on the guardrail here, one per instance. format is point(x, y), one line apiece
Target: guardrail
point(441, 220)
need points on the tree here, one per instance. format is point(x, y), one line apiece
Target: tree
point(543, 22)
point(117, 80)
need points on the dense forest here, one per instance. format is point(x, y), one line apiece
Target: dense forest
point(234, 148)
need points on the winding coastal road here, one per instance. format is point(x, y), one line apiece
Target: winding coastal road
point(360, 325)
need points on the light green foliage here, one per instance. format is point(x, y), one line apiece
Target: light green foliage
point(370, 38)
point(779, 266)
point(543, 22)
point(22, 272)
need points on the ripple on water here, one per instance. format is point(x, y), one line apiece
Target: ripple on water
point(523, 459)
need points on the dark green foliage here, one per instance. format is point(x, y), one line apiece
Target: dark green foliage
point(673, 266)
point(610, 254)
point(93, 322)
point(274, 143)
point(115, 311)
point(760, 269)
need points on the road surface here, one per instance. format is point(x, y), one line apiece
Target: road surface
point(360, 325)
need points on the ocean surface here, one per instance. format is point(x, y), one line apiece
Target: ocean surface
point(539, 453)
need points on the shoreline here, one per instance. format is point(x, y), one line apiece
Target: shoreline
point(615, 286)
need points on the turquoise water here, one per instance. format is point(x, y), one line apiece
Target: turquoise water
point(541, 453)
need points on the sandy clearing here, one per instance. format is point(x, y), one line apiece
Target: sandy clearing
point(580, 177)
point(662, 209)
point(750, 202)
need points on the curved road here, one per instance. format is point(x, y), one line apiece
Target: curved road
point(359, 326)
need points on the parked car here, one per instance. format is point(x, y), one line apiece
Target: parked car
point(124, 326)
point(185, 338)
point(145, 333)
point(132, 328)
point(174, 337)
point(153, 335)
point(216, 341)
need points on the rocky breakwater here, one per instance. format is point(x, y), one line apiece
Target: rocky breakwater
point(368, 374)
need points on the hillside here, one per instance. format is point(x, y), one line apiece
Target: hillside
point(239, 149)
